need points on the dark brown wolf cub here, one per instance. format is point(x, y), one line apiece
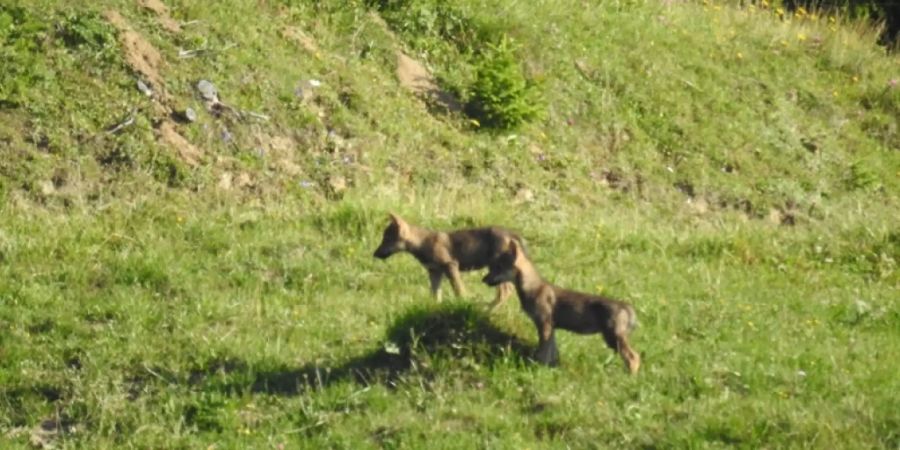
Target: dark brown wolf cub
point(551, 307)
point(446, 254)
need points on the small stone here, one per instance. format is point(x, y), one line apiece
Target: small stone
point(189, 115)
point(144, 88)
point(208, 91)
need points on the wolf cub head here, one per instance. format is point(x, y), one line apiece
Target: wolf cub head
point(503, 267)
point(394, 238)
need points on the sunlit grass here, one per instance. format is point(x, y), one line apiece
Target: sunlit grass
point(729, 170)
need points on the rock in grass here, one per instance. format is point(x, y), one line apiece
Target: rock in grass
point(144, 88)
point(189, 114)
point(185, 115)
point(208, 91)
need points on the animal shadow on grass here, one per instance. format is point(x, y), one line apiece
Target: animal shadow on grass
point(451, 333)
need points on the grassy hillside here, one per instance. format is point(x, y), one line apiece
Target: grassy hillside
point(166, 283)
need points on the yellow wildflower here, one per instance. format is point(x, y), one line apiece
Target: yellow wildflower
point(801, 37)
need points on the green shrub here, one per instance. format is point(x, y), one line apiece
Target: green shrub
point(862, 177)
point(22, 39)
point(436, 26)
point(502, 96)
point(87, 31)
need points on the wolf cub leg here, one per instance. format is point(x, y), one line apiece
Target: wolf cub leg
point(436, 275)
point(504, 290)
point(452, 270)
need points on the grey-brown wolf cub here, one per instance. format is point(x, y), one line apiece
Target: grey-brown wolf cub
point(445, 254)
point(551, 307)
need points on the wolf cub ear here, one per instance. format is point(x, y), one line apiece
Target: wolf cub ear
point(513, 249)
point(401, 224)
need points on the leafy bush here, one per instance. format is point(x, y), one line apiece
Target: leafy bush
point(432, 24)
point(26, 37)
point(499, 93)
point(81, 30)
point(502, 96)
point(22, 39)
point(862, 177)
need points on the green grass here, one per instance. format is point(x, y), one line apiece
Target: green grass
point(739, 189)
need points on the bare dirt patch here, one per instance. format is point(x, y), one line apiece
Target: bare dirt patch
point(281, 150)
point(142, 56)
point(276, 146)
point(415, 77)
point(146, 60)
point(169, 136)
point(162, 12)
point(172, 138)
